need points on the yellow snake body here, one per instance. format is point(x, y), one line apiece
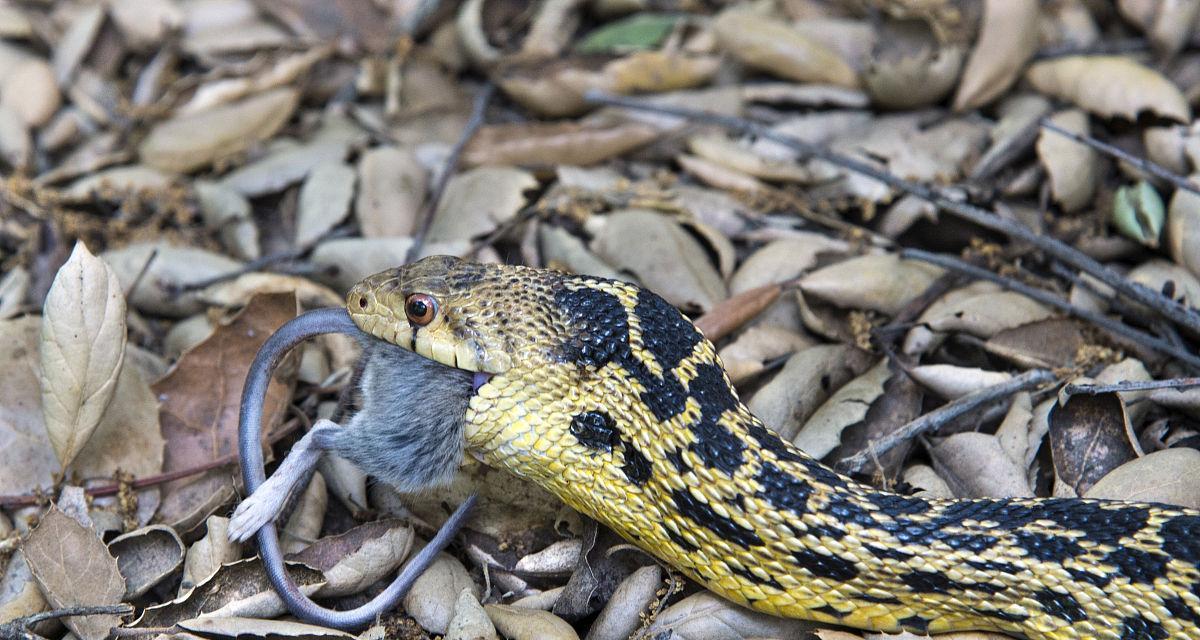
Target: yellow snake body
point(608, 397)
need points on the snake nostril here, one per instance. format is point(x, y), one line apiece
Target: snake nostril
point(362, 302)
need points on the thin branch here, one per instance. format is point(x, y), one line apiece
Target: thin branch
point(67, 612)
point(1142, 164)
point(942, 415)
point(982, 217)
point(258, 264)
point(425, 220)
point(1130, 385)
point(31, 499)
point(1045, 297)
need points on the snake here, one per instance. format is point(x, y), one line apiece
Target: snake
point(610, 398)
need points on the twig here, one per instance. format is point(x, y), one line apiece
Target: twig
point(478, 111)
point(141, 274)
point(1143, 164)
point(938, 417)
point(1103, 47)
point(19, 629)
point(1153, 342)
point(1130, 385)
point(258, 264)
point(986, 219)
point(28, 500)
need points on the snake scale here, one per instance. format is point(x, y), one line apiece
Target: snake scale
point(607, 396)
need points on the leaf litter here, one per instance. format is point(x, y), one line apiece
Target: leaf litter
point(177, 179)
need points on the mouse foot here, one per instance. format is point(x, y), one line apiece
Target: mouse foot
point(268, 501)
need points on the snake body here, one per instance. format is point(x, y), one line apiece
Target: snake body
point(607, 396)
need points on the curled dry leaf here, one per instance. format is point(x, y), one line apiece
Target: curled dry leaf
point(1169, 278)
point(822, 432)
point(354, 560)
point(721, 150)
point(976, 466)
point(882, 282)
point(470, 621)
point(662, 255)
point(146, 556)
point(790, 398)
point(1008, 38)
point(14, 286)
point(1138, 213)
point(1170, 476)
point(251, 627)
point(950, 382)
point(1073, 167)
point(987, 314)
point(74, 568)
point(207, 554)
point(190, 142)
point(705, 616)
point(783, 260)
point(81, 351)
point(775, 47)
point(1090, 435)
point(909, 68)
point(239, 589)
point(516, 623)
point(538, 144)
point(1110, 86)
point(200, 399)
point(432, 598)
point(232, 294)
point(392, 186)
point(622, 615)
point(477, 201)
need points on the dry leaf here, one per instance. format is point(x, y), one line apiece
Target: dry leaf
point(975, 466)
point(1170, 476)
point(470, 621)
point(750, 352)
point(1073, 167)
point(1049, 343)
point(1008, 38)
point(1171, 279)
point(662, 255)
point(539, 144)
point(190, 142)
point(146, 556)
point(431, 600)
point(1183, 230)
point(1089, 436)
point(986, 314)
point(74, 568)
point(808, 378)
point(477, 201)
point(81, 351)
point(160, 270)
point(516, 623)
point(951, 382)
point(822, 433)
point(775, 47)
point(243, 627)
point(704, 616)
point(304, 525)
point(622, 615)
point(27, 460)
point(882, 282)
point(354, 560)
point(324, 201)
point(730, 314)
point(200, 427)
point(205, 557)
point(1110, 86)
point(392, 186)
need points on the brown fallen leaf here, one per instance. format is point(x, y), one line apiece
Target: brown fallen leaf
point(27, 460)
point(1007, 39)
point(1073, 167)
point(540, 144)
point(731, 313)
point(200, 398)
point(82, 350)
point(146, 556)
point(822, 433)
point(74, 568)
point(1089, 436)
point(772, 45)
point(1110, 86)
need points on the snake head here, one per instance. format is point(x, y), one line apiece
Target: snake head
point(462, 314)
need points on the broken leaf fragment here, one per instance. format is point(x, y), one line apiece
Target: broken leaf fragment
point(82, 349)
point(1138, 213)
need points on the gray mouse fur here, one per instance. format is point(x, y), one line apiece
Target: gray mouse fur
point(409, 429)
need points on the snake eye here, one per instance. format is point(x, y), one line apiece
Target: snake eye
point(420, 309)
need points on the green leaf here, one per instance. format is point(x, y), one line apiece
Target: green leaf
point(1138, 213)
point(635, 33)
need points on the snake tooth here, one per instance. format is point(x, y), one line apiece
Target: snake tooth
point(607, 396)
